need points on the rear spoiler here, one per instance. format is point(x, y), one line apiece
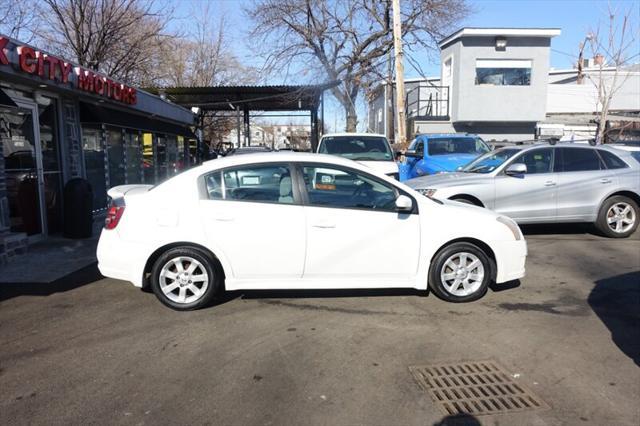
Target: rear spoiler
point(122, 190)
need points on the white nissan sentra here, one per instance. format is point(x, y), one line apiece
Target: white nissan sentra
point(300, 221)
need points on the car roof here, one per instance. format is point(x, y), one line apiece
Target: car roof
point(277, 157)
point(327, 135)
point(446, 135)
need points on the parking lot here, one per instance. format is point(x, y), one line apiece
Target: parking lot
point(106, 352)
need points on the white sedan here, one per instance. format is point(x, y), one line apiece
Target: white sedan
point(300, 221)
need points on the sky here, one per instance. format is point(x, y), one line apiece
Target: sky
point(575, 18)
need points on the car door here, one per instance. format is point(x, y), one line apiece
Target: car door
point(253, 215)
point(532, 196)
point(583, 181)
point(353, 227)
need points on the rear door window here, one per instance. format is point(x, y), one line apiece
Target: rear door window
point(577, 160)
point(269, 183)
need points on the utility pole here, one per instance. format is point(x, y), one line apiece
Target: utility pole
point(388, 112)
point(397, 47)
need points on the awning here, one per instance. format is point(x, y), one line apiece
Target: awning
point(6, 101)
point(94, 114)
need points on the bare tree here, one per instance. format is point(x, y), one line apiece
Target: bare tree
point(117, 37)
point(345, 40)
point(612, 48)
point(17, 19)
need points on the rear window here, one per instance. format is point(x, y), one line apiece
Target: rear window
point(445, 146)
point(359, 148)
point(611, 160)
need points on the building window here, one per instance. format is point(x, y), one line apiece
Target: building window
point(503, 72)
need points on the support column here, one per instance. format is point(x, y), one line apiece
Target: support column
point(247, 128)
point(238, 127)
point(314, 129)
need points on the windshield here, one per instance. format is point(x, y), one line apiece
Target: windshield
point(446, 146)
point(363, 148)
point(490, 161)
point(636, 155)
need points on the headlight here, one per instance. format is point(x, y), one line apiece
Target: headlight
point(513, 227)
point(427, 192)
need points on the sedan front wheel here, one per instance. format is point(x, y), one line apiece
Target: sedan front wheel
point(460, 272)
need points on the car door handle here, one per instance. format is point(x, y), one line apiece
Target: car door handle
point(324, 225)
point(605, 180)
point(550, 183)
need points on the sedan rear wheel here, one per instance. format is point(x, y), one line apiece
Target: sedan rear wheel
point(618, 217)
point(184, 278)
point(460, 272)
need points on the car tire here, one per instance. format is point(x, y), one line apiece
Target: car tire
point(190, 286)
point(618, 217)
point(453, 281)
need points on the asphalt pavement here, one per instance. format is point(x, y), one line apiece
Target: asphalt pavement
point(108, 353)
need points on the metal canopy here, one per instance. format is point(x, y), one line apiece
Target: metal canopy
point(253, 98)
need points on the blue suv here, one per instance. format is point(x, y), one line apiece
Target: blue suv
point(438, 153)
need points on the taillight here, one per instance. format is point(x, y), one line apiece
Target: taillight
point(113, 215)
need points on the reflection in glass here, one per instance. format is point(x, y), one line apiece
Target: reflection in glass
point(115, 156)
point(52, 171)
point(161, 158)
point(94, 166)
point(148, 163)
point(134, 157)
point(18, 147)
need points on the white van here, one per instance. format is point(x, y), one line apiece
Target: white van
point(370, 149)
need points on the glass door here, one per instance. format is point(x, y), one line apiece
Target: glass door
point(51, 167)
point(20, 148)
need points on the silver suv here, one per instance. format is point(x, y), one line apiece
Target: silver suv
point(548, 183)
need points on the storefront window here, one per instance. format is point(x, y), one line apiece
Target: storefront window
point(161, 158)
point(133, 153)
point(115, 157)
point(148, 161)
point(172, 155)
point(52, 171)
point(182, 161)
point(94, 165)
point(18, 148)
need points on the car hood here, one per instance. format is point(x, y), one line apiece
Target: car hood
point(450, 162)
point(443, 180)
point(384, 167)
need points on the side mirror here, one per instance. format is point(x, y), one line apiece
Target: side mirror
point(412, 153)
point(404, 203)
point(516, 169)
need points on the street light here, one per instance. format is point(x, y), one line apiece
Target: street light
point(588, 37)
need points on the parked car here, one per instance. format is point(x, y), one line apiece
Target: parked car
point(439, 153)
point(367, 148)
point(542, 183)
point(220, 225)
point(247, 150)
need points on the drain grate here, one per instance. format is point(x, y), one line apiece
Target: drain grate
point(478, 388)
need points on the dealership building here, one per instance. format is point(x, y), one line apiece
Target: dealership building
point(60, 121)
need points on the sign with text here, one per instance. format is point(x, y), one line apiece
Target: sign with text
point(48, 67)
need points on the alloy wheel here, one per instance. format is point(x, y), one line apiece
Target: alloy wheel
point(621, 217)
point(462, 274)
point(183, 279)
